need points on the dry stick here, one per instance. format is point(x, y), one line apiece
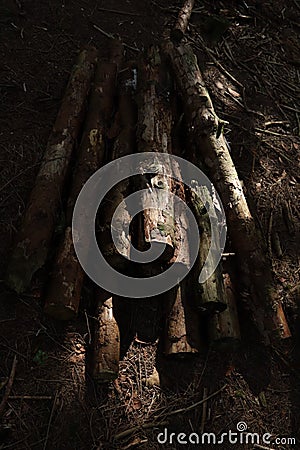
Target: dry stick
point(132, 430)
point(154, 135)
point(182, 21)
point(8, 386)
point(34, 238)
point(111, 36)
point(255, 267)
point(194, 405)
point(50, 421)
point(63, 295)
point(30, 397)
point(204, 410)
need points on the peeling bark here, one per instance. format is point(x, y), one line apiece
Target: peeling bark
point(154, 135)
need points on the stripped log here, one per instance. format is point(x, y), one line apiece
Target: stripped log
point(123, 145)
point(206, 127)
point(33, 239)
point(210, 297)
point(224, 328)
point(106, 344)
point(183, 338)
point(181, 25)
point(63, 294)
point(154, 135)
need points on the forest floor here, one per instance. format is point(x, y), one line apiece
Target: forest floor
point(249, 54)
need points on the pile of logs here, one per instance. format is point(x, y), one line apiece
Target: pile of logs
point(104, 117)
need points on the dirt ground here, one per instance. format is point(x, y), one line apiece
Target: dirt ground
point(250, 61)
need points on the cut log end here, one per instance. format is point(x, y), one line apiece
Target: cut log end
point(106, 344)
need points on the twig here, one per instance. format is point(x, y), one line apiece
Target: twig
point(115, 11)
point(49, 423)
point(184, 410)
point(262, 447)
point(111, 36)
point(30, 397)
point(204, 410)
point(132, 430)
point(8, 386)
point(88, 327)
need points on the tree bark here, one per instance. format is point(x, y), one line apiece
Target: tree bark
point(106, 344)
point(255, 268)
point(154, 135)
point(124, 144)
point(33, 239)
point(182, 21)
point(63, 294)
point(183, 338)
point(210, 294)
point(224, 328)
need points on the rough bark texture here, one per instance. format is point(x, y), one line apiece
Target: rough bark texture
point(182, 21)
point(34, 237)
point(224, 329)
point(183, 325)
point(63, 295)
point(255, 268)
point(154, 135)
point(106, 344)
point(124, 144)
point(210, 294)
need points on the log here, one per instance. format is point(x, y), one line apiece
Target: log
point(247, 242)
point(63, 294)
point(182, 337)
point(181, 25)
point(33, 240)
point(224, 328)
point(210, 297)
point(106, 344)
point(154, 135)
point(124, 144)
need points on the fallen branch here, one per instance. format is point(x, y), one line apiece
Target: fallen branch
point(34, 238)
point(8, 386)
point(182, 21)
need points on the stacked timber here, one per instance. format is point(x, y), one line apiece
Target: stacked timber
point(206, 128)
